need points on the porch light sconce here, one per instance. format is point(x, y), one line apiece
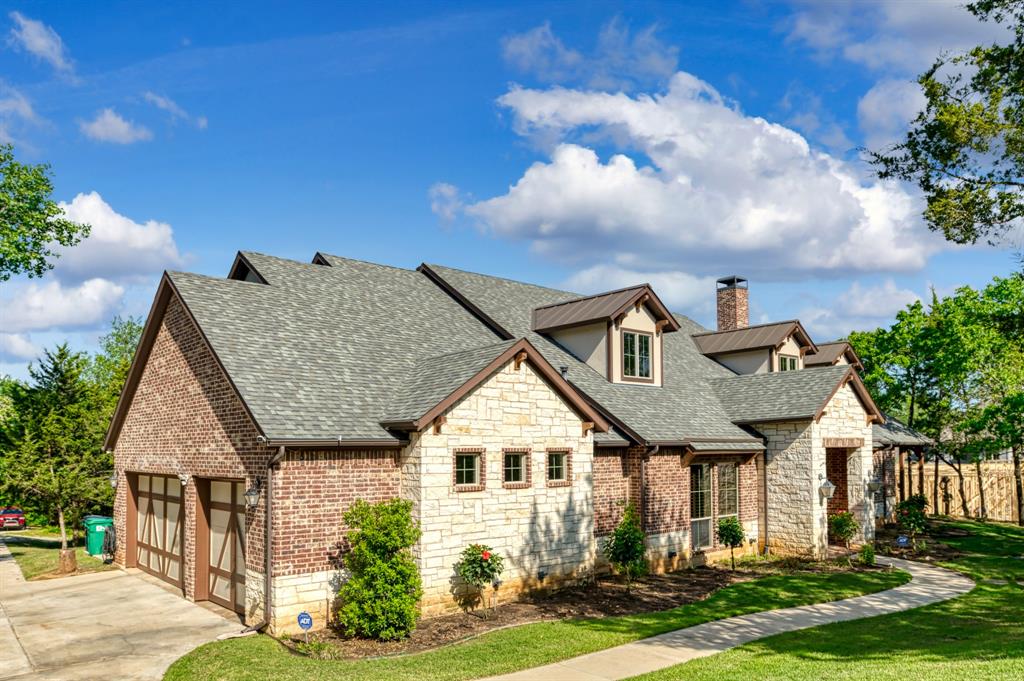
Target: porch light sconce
point(827, 488)
point(113, 480)
point(874, 485)
point(252, 495)
point(183, 478)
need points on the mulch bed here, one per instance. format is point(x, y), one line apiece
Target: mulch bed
point(934, 549)
point(605, 597)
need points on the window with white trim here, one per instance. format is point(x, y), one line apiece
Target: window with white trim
point(787, 363)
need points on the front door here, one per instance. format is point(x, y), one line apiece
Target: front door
point(227, 544)
point(160, 527)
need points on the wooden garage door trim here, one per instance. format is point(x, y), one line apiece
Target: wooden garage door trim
point(150, 518)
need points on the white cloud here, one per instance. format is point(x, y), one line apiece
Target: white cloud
point(859, 308)
point(109, 126)
point(17, 346)
point(894, 35)
point(621, 60)
point(722, 191)
point(678, 290)
point(174, 109)
point(51, 305)
point(886, 110)
point(117, 248)
point(445, 201)
point(38, 39)
point(16, 112)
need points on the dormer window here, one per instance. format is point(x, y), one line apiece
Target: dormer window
point(787, 363)
point(636, 355)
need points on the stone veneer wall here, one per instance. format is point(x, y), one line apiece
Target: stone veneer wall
point(844, 417)
point(536, 528)
point(796, 514)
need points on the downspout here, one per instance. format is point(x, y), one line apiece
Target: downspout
point(268, 504)
point(764, 485)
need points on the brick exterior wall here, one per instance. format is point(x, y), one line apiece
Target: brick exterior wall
point(186, 418)
point(835, 471)
point(611, 489)
point(733, 310)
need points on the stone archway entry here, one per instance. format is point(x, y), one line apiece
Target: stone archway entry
point(836, 472)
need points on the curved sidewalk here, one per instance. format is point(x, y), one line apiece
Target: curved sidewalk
point(928, 584)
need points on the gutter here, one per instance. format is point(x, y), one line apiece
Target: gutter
point(268, 504)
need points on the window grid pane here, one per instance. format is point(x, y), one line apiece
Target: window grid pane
point(556, 466)
point(629, 354)
point(645, 356)
point(727, 489)
point(514, 467)
point(466, 469)
point(700, 491)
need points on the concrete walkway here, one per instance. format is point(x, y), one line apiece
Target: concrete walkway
point(928, 585)
point(105, 625)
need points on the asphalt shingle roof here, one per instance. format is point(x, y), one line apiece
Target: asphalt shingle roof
point(778, 396)
point(894, 432)
point(318, 351)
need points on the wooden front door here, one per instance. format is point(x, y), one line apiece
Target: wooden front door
point(227, 544)
point(160, 527)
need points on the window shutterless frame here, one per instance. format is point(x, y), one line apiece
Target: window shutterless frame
point(700, 506)
point(787, 363)
point(637, 356)
point(559, 467)
point(728, 489)
point(469, 469)
point(516, 466)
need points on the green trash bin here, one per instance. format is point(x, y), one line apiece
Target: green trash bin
point(95, 530)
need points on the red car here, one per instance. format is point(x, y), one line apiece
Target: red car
point(12, 519)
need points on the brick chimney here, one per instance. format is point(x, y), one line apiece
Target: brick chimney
point(732, 303)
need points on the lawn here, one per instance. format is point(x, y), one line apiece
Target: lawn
point(507, 650)
point(977, 636)
point(37, 556)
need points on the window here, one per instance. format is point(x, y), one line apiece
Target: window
point(700, 506)
point(636, 354)
point(728, 498)
point(515, 468)
point(787, 363)
point(469, 469)
point(558, 468)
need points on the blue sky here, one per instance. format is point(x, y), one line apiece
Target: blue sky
point(585, 145)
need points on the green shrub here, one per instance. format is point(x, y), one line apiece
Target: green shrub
point(911, 518)
point(843, 526)
point(917, 502)
point(626, 548)
point(730, 532)
point(867, 555)
point(381, 598)
point(479, 566)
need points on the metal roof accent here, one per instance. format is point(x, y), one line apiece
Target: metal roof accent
point(600, 307)
point(770, 335)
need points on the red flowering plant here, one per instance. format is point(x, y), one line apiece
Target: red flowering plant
point(480, 566)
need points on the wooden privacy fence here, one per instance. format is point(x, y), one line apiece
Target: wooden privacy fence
point(996, 476)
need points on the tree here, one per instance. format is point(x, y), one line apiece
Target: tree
point(109, 368)
point(964, 150)
point(32, 225)
point(626, 548)
point(58, 460)
point(730, 532)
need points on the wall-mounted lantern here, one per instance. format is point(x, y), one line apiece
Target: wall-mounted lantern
point(113, 479)
point(183, 478)
point(827, 488)
point(252, 495)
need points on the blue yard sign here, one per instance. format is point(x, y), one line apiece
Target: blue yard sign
point(903, 541)
point(305, 621)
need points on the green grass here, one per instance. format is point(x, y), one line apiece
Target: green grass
point(508, 650)
point(37, 556)
point(977, 636)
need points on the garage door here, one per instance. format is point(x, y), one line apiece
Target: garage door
point(160, 527)
point(227, 544)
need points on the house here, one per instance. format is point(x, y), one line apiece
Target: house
point(261, 405)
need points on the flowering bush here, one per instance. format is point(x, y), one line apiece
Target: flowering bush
point(911, 518)
point(480, 565)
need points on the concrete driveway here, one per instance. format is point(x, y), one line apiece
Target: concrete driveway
point(106, 625)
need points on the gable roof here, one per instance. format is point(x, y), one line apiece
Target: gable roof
point(601, 307)
point(895, 432)
point(752, 338)
point(788, 395)
point(435, 383)
point(829, 353)
point(681, 411)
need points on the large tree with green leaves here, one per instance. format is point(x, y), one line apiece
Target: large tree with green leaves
point(965, 150)
point(58, 460)
point(109, 368)
point(32, 224)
